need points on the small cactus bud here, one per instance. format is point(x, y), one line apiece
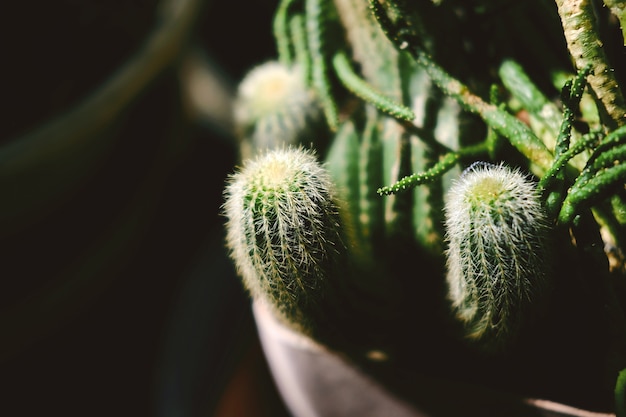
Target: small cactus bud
point(496, 256)
point(284, 234)
point(275, 108)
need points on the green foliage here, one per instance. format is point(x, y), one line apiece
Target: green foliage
point(401, 85)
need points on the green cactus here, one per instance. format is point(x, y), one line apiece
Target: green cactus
point(290, 239)
point(274, 107)
point(497, 253)
point(284, 232)
point(401, 85)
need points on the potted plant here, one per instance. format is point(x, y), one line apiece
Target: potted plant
point(431, 206)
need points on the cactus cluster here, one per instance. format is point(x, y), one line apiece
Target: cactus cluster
point(412, 95)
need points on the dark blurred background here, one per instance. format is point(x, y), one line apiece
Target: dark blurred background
point(117, 296)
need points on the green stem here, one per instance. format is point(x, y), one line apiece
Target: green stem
point(585, 46)
point(586, 142)
point(618, 203)
point(571, 94)
point(613, 139)
point(518, 134)
point(315, 17)
point(281, 32)
point(361, 88)
point(591, 191)
point(620, 394)
point(298, 34)
point(532, 99)
point(565, 131)
point(444, 165)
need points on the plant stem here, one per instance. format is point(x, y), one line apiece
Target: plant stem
point(520, 136)
point(585, 46)
point(620, 394)
point(281, 32)
point(361, 88)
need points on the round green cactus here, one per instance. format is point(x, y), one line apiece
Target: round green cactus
point(496, 231)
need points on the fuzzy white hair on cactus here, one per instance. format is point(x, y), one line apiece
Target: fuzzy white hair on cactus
point(496, 257)
point(284, 232)
point(274, 107)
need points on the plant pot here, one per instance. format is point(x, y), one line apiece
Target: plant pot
point(317, 381)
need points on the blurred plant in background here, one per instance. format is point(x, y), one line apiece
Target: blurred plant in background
point(111, 174)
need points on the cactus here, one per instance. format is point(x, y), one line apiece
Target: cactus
point(284, 232)
point(413, 94)
point(274, 107)
point(497, 253)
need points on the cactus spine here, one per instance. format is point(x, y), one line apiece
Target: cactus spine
point(495, 229)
